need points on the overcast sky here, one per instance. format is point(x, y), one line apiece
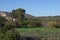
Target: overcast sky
point(33, 7)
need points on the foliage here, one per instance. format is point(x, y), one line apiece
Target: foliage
point(57, 24)
point(9, 35)
point(42, 33)
point(27, 26)
point(51, 23)
point(19, 16)
point(8, 32)
point(9, 25)
point(34, 24)
point(2, 21)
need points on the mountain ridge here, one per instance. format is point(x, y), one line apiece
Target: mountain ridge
point(26, 15)
point(31, 16)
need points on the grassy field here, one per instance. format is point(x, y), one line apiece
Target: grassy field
point(50, 33)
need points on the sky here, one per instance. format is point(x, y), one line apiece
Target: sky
point(33, 7)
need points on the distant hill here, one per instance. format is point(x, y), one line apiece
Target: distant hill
point(26, 15)
point(7, 13)
point(29, 16)
point(43, 18)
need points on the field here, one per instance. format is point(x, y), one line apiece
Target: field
point(43, 33)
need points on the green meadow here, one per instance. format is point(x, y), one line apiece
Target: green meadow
point(39, 31)
point(43, 33)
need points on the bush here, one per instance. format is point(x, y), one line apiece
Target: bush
point(51, 24)
point(10, 35)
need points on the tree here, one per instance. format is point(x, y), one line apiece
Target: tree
point(19, 15)
point(2, 21)
point(8, 32)
point(9, 25)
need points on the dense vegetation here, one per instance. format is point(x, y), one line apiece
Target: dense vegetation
point(18, 25)
point(42, 33)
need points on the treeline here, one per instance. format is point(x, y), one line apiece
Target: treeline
point(17, 19)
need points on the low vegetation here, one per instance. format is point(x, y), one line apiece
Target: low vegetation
point(19, 25)
point(42, 33)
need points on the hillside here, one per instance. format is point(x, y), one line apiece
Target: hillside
point(29, 16)
point(43, 18)
point(26, 15)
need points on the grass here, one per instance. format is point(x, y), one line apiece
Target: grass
point(40, 31)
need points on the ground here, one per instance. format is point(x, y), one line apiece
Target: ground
point(43, 33)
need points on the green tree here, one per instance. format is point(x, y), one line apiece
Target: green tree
point(19, 15)
point(9, 25)
point(2, 21)
point(8, 32)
